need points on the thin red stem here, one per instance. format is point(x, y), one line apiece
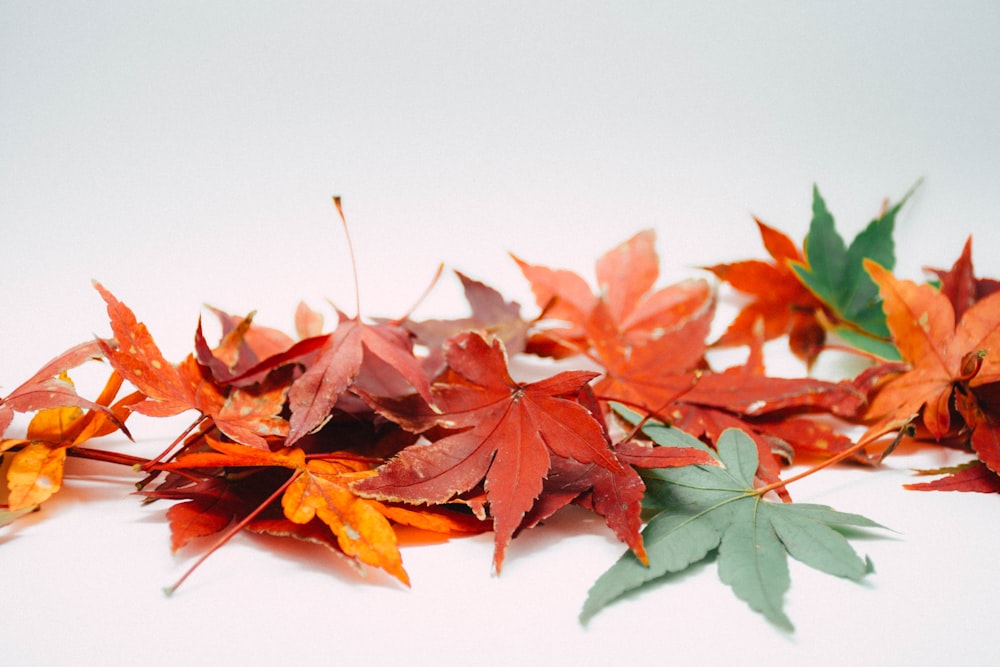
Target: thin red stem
point(354, 263)
point(427, 290)
point(162, 455)
point(229, 534)
point(136, 462)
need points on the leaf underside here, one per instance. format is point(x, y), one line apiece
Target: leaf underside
point(701, 509)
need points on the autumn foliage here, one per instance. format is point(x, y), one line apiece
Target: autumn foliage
point(339, 435)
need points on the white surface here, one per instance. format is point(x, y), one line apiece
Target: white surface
point(185, 152)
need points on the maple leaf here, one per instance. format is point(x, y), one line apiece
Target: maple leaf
point(51, 388)
point(653, 356)
point(627, 312)
point(337, 366)
point(35, 470)
point(704, 508)
point(234, 356)
point(779, 299)
point(705, 403)
point(249, 414)
point(960, 285)
point(209, 505)
point(617, 494)
point(322, 489)
point(169, 389)
point(973, 476)
point(243, 337)
point(34, 475)
point(494, 429)
point(834, 272)
point(491, 313)
point(952, 365)
point(315, 489)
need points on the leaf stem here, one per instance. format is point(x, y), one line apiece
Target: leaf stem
point(162, 455)
point(837, 458)
point(108, 457)
point(423, 296)
point(354, 262)
point(229, 534)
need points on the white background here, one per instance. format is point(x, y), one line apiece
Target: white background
point(185, 153)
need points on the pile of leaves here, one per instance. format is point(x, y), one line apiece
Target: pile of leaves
point(344, 433)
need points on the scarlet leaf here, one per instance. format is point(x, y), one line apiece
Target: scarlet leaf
point(974, 476)
point(495, 430)
point(231, 454)
point(232, 357)
point(250, 414)
point(243, 338)
point(204, 515)
point(960, 284)
point(626, 313)
point(337, 365)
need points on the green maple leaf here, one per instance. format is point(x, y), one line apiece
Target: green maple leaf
point(704, 508)
point(834, 272)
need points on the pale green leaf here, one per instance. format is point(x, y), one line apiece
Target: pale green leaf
point(752, 561)
point(700, 509)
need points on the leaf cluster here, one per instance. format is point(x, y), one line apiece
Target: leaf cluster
point(353, 435)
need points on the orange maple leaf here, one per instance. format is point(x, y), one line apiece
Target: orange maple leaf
point(35, 471)
point(949, 362)
point(316, 489)
point(249, 415)
point(627, 312)
point(779, 298)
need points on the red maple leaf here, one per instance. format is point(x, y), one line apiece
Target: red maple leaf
point(491, 313)
point(651, 346)
point(960, 284)
point(490, 429)
point(392, 368)
point(974, 476)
